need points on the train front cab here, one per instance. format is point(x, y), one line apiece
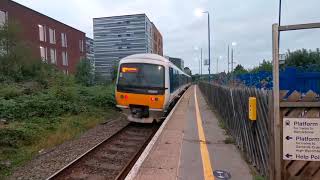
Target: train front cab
point(141, 91)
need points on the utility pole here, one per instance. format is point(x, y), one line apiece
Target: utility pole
point(199, 66)
point(201, 61)
point(228, 59)
point(217, 65)
point(232, 65)
point(232, 60)
point(209, 51)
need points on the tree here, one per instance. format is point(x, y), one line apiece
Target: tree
point(303, 58)
point(84, 74)
point(16, 60)
point(239, 70)
point(264, 66)
point(114, 72)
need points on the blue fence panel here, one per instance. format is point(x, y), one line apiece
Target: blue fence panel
point(290, 79)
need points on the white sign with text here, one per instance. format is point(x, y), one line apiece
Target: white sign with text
point(301, 139)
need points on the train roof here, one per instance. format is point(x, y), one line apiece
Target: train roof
point(153, 57)
point(147, 56)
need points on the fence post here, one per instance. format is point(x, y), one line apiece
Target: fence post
point(277, 124)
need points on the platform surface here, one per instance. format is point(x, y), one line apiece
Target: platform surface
point(191, 146)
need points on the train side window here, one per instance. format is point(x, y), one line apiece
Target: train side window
point(171, 80)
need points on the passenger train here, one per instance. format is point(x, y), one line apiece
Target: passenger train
point(147, 86)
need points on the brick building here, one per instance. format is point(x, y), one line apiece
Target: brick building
point(52, 41)
point(157, 41)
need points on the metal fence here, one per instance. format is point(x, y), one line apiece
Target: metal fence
point(252, 138)
point(291, 79)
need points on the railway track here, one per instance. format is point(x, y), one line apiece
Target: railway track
point(112, 158)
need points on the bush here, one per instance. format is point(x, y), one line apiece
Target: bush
point(84, 74)
point(14, 137)
point(57, 101)
point(10, 91)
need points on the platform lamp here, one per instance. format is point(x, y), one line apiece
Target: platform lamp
point(199, 12)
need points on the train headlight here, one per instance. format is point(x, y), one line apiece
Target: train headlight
point(124, 96)
point(154, 99)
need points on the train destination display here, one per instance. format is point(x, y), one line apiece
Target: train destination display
point(301, 139)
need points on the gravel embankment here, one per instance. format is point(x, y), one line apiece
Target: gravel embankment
point(50, 161)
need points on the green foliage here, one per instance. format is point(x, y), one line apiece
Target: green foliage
point(303, 58)
point(114, 72)
point(14, 137)
point(16, 60)
point(84, 74)
point(10, 91)
point(258, 177)
point(239, 70)
point(37, 100)
point(57, 101)
point(264, 66)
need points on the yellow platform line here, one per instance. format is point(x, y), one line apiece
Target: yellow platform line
point(206, 163)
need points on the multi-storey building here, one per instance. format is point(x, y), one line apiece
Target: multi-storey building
point(176, 61)
point(52, 41)
point(157, 41)
point(120, 36)
point(90, 50)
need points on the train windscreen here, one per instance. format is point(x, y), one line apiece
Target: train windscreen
point(141, 75)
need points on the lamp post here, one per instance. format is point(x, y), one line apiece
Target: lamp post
point(228, 59)
point(232, 60)
point(220, 58)
point(199, 12)
point(200, 60)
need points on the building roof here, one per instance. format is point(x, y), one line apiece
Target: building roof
point(141, 14)
point(11, 1)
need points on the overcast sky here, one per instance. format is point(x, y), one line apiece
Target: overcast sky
point(246, 22)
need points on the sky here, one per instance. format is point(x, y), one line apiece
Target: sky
point(246, 22)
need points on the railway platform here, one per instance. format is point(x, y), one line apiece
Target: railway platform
point(190, 145)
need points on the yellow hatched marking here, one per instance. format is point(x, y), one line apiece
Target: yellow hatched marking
point(206, 163)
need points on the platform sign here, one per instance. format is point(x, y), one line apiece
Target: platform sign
point(301, 139)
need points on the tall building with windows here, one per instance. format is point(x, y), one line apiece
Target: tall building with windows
point(50, 40)
point(119, 36)
point(90, 50)
point(176, 61)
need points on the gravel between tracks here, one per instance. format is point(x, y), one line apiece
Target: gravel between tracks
point(50, 161)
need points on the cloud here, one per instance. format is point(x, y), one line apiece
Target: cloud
point(246, 22)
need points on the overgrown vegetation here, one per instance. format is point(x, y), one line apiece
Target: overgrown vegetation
point(303, 59)
point(307, 60)
point(41, 107)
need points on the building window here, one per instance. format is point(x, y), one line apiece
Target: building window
point(65, 59)
point(81, 45)
point(52, 36)
point(42, 33)
point(43, 53)
point(3, 18)
point(53, 56)
point(64, 40)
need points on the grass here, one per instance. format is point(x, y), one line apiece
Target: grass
point(41, 117)
point(229, 140)
point(46, 135)
point(257, 177)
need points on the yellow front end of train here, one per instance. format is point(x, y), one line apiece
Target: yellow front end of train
point(140, 91)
